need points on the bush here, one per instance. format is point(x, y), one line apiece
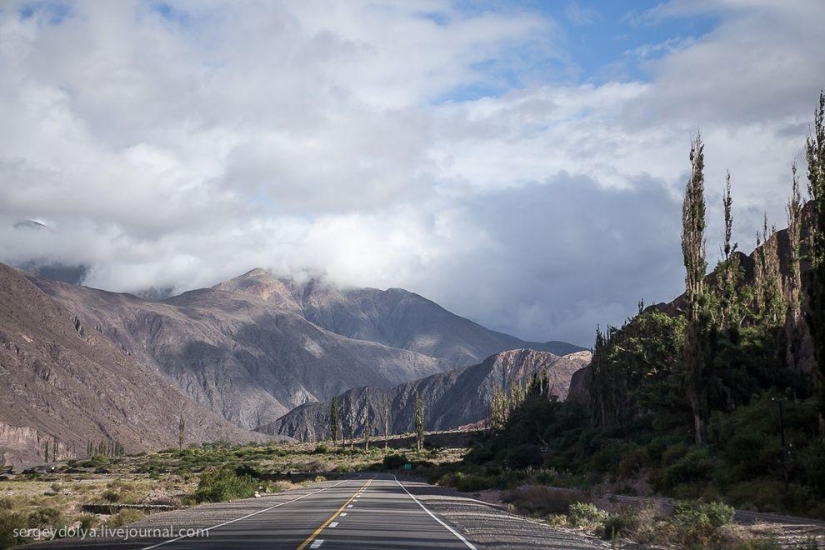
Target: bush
point(524, 456)
point(715, 514)
point(469, 483)
point(695, 467)
point(9, 522)
point(321, 450)
point(125, 517)
point(544, 501)
point(585, 514)
point(632, 462)
point(225, 484)
point(247, 471)
point(697, 523)
point(814, 462)
point(618, 525)
point(110, 495)
point(394, 461)
point(45, 517)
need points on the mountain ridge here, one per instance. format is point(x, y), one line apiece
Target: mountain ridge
point(240, 355)
point(453, 399)
point(361, 314)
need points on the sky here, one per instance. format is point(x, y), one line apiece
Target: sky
point(521, 163)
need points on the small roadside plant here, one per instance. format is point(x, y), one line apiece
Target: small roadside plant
point(224, 484)
point(585, 514)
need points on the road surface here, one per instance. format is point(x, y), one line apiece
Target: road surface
point(372, 511)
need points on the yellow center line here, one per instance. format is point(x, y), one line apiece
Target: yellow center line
point(332, 517)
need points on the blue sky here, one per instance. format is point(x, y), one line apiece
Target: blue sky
point(520, 163)
point(593, 42)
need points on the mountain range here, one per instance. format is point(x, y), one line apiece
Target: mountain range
point(237, 356)
point(453, 399)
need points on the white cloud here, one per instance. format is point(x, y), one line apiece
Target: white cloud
point(181, 149)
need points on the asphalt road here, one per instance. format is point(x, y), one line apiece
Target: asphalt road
point(373, 511)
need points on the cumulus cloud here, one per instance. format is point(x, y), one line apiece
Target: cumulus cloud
point(425, 145)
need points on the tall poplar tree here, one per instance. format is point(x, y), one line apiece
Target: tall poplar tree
point(351, 423)
point(794, 211)
point(815, 317)
point(693, 252)
point(385, 402)
point(181, 431)
point(769, 289)
point(793, 283)
point(729, 271)
point(367, 424)
point(333, 421)
point(419, 421)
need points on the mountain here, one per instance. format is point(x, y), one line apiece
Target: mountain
point(245, 358)
point(61, 380)
point(453, 399)
point(247, 351)
point(394, 317)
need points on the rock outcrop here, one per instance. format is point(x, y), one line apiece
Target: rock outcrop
point(451, 400)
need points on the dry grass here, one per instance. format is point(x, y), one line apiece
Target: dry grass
point(57, 503)
point(56, 498)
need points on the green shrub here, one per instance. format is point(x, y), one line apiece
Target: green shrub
point(607, 458)
point(585, 514)
point(247, 471)
point(539, 500)
point(524, 456)
point(110, 495)
point(394, 461)
point(224, 484)
point(619, 524)
point(45, 517)
point(89, 521)
point(125, 517)
point(632, 462)
point(9, 522)
point(694, 467)
point(814, 461)
point(715, 514)
point(321, 449)
point(470, 483)
point(697, 523)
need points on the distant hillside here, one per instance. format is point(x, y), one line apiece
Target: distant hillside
point(254, 348)
point(61, 379)
point(451, 400)
point(244, 358)
point(395, 317)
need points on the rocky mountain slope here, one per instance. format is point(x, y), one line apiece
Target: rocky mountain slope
point(451, 399)
point(244, 358)
point(255, 347)
point(61, 381)
point(394, 317)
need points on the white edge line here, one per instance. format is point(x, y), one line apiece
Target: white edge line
point(447, 527)
point(170, 541)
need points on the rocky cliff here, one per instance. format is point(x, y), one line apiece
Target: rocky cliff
point(451, 399)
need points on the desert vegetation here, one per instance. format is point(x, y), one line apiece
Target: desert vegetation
point(112, 491)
